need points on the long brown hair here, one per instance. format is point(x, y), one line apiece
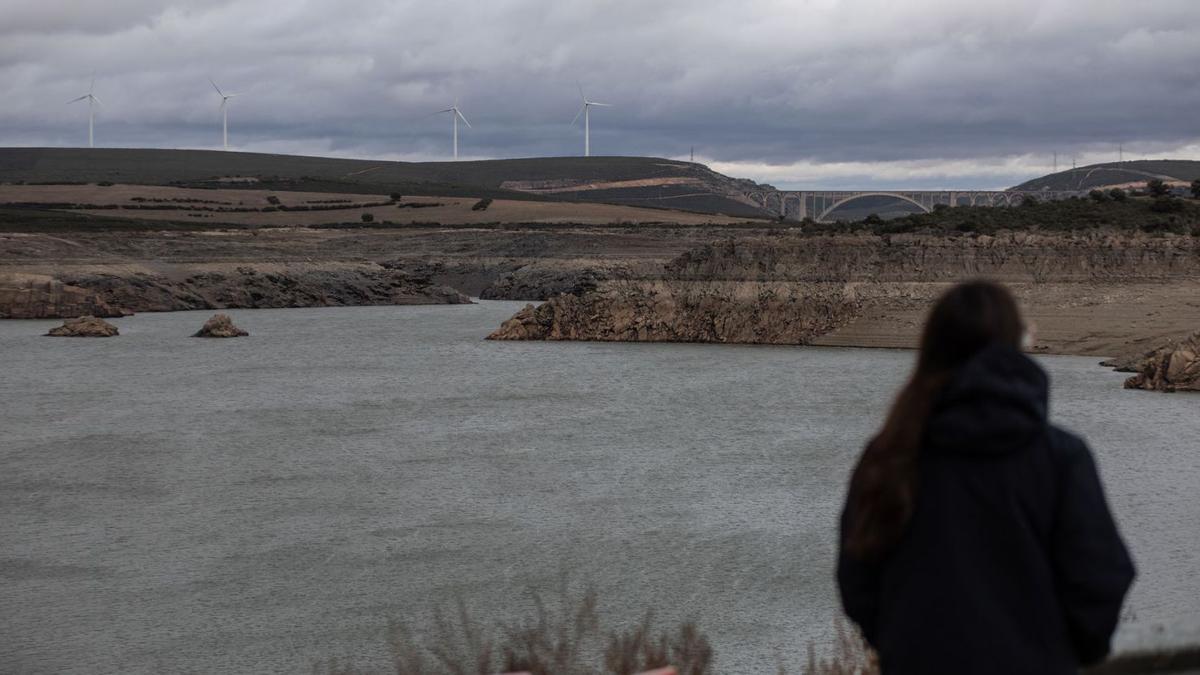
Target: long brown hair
point(966, 319)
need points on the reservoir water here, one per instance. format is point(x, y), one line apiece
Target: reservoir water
point(253, 505)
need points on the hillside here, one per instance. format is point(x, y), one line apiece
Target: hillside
point(635, 181)
point(1116, 174)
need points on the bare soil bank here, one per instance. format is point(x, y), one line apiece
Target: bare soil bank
point(1088, 293)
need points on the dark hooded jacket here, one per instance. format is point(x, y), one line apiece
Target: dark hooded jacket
point(1011, 562)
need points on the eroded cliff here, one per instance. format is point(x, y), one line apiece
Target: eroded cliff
point(1084, 291)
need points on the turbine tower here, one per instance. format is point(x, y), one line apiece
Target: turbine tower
point(587, 130)
point(456, 115)
point(224, 113)
point(92, 103)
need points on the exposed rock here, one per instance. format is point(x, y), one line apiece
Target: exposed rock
point(84, 326)
point(796, 289)
point(44, 297)
point(737, 312)
point(220, 326)
point(1172, 367)
point(217, 286)
point(539, 282)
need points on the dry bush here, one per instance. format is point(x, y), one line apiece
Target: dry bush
point(851, 655)
point(566, 638)
point(643, 649)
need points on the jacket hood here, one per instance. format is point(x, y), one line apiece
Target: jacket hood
point(995, 403)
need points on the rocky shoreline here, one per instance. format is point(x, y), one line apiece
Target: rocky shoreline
point(117, 291)
point(872, 290)
point(702, 311)
point(1172, 367)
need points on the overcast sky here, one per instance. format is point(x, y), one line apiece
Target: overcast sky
point(798, 93)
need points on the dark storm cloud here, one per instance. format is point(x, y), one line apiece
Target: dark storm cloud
point(865, 92)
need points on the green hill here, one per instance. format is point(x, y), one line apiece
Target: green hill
point(1115, 173)
point(670, 184)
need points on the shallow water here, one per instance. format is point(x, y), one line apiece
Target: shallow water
point(252, 505)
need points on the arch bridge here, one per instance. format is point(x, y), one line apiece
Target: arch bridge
point(819, 204)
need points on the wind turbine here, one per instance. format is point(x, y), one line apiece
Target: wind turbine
point(92, 102)
point(456, 115)
point(224, 113)
point(587, 131)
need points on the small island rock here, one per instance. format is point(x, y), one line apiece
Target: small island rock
point(1173, 367)
point(220, 326)
point(84, 326)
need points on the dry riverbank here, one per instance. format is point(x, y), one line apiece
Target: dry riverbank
point(91, 270)
point(1088, 293)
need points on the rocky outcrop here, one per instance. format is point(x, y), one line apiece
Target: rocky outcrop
point(739, 312)
point(220, 326)
point(796, 289)
point(1172, 367)
point(539, 282)
point(120, 291)
point(84, 326)
point(44, 297)
point(1020, 257)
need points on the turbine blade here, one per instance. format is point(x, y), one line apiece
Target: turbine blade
point(92, 86)
point(581, 96)
point(581, 109)
point(462, 117)
point(95, 99)
point(78, 99)
point(214, 84)
point(606, 105)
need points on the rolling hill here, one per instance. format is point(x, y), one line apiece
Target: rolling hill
point(633, 181)
point(1116, 174)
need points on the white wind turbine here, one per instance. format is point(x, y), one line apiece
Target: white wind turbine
point(224, 113)
point(92, 103)
point(585, 111)
point(456, 115)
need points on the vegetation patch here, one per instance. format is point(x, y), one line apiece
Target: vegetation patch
point(1113, 210)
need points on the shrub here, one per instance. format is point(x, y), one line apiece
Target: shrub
point(368, 217)
point(1195, 188)
point(940, 207)
point(396, 196)
point(105, 183)
point(561, 640)
point(873, 219)
point(1099, 196)
point(1029, 200)
point(483, 204)
point(851, 655)
point(1157, 187)
point(273, 200)
point(1166, 204)
point(1117, 194)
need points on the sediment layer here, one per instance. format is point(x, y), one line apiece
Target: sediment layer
point(1093, 293)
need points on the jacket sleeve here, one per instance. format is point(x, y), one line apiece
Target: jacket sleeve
point(1092, 566)
point(859, 583)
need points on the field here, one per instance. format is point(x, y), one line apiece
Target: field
point(655, 181)
point(113, 207)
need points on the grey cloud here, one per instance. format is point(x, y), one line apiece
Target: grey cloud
point(762, 82)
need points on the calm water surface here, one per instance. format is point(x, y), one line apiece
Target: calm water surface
point(253, 505)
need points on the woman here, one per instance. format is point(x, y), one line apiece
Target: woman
point(976, 537)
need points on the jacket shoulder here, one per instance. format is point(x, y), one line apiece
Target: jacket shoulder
point(1066, 447)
